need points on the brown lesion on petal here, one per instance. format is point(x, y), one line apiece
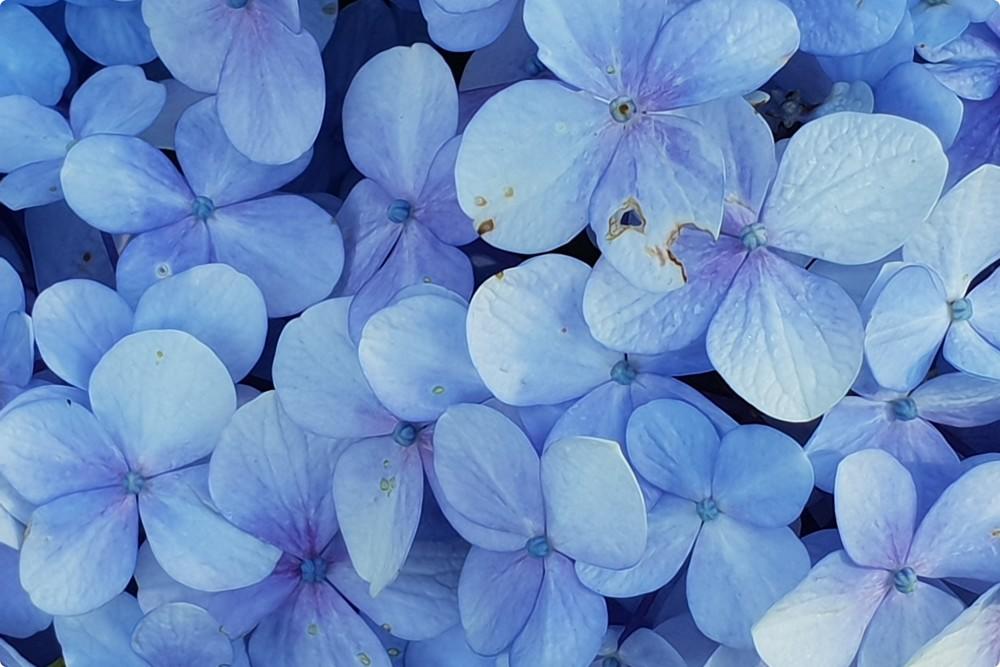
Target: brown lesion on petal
point(664, 254)
point(628, 217)
point(486, 226)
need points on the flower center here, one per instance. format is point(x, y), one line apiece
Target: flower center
point(313, 571)
point(623, 372)
point(405, 434)
point(622, 109)
point(754, 236)
point(399, 211)
point(905, 409)
point(202, 208)
point(707, 509)
point(961, 310)
point(134, 483)
point(905, 580)
point(538, 547)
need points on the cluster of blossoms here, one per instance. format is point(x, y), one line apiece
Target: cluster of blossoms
point(311, 356)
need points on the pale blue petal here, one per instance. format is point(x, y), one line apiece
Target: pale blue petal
point(737, 572)
point(958, 239)
point(92, 639)
point(904, 622)
point(956, 539)
point(215, 169)
point(822, 621)
point(111, 33)
point(788, 342)
point(969, 640)
point(369, 235)
point(295, 262)
point(913, 92)
point(378, 488)
point(967, 350)
point(18, 616)
point(192, 38)
point(533, 149)
point(469, 30)
point(496, 595)
point(17, 350)
point(872, 66)
point(567, 624)
point(415, 355)
point(876, 505)
point(163, 252)
point(193, 542)
point(393, 139)
point(489, 473)
point(54, 447)
point(34, 184)
point(841, 27)
point(217, 305)
point(80, 551)
point(674, 446)
point(76, 323)
point(319, 378)
point(762, 477)
point(438, 207)
point(181, 635)
point(29, 132)
point(531, 346)
point(421, 603)
point(123, 185)
point(907, 324)
point(673, 526)
point(594, 509)
point(957, 399)
point(645, 648)
point(449, 649)
point(32, 62)
point(881, 176)
point(179, 99)
point(271, 91)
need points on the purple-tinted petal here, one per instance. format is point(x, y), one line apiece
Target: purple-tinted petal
point(192, 38)
point(369, 235)
point(496, 595)
point(273, 479)
point(438, 207)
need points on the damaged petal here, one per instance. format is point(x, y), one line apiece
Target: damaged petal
point(485, 227)
point(628, 217)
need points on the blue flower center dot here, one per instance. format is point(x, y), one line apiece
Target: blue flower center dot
point(202, 208)
point(905, 409)
point(237, 4)
point(538, 547)
point(961, 310)
point(399, 211)
point(313, 571)
point(905, 580)
point(405, 434)
point(623, 372)
point(754, 236)
point(707, 509)
point(134, 483)
point(622, 109)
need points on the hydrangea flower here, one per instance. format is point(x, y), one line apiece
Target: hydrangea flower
point(273, 479)
point(383, 394)
point(529, 519)
point(970, 64)
point(767, 319)
point(712, 504)
point(78, 321)
point(92, 473)
point(970, 640)
point(263, 66)
point(401, 222)
point(34, 140)
point(215, 211)
point(540, 159)
point(920, 305)
point(901, 423)
point(32, 62)
point(879, 599)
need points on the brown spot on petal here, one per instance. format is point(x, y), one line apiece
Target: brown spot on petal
point(629, 211)
point(480, 201)
point(995, 532)
point(486, 226)
point(508, 192)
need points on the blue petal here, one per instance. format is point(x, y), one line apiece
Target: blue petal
point(18, 616)
point(142, 385)
point(91, 640)
point(32, 62)
point(467, 30)
point(904, 623)
point(872, 66)
point(181, 635)
point(34, 184)
point(968, 640)
point(112, 33)
point(116, 100)
point(192, 38)
point(912, 91)
point(957, 399)
point(843, 28)
point(217, 305)
point(272, 479)
point(30, 132)
point(76, 323)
